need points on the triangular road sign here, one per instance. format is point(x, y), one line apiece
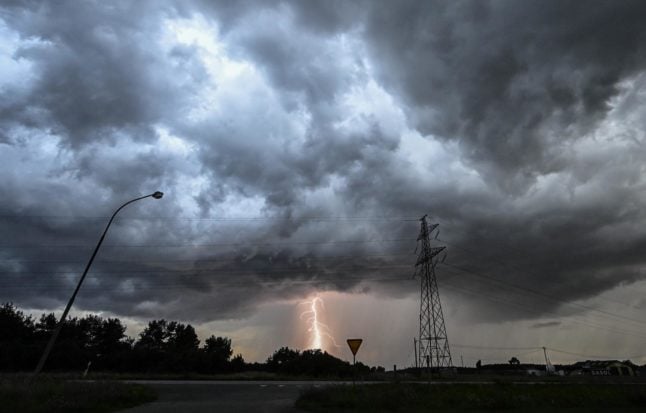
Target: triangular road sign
point(354, 344)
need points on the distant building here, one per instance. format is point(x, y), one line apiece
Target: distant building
point(602, 368)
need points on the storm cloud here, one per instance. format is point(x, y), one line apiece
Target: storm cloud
point(299, 142)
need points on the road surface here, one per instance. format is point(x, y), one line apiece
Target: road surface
point(224, 396)
point(187, 396)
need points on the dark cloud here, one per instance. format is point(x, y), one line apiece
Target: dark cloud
point(547, 324)
point(516, 125)
point(103, 76)
point(513, 82)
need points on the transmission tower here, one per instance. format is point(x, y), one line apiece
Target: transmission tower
point(433, 342)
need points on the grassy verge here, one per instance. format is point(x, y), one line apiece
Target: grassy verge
point(413, 397)
point(47, 395)
point(241, 376)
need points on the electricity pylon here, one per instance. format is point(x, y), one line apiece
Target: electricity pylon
point(433, 342)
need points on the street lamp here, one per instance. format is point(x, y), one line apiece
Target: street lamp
point(52, 340)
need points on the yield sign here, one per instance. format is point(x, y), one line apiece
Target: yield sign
point(354, 344)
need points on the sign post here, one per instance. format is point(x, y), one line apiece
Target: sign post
point(354, 344)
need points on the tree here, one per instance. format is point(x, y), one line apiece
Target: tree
point(162, 335)
point(314, 363)
point(216, 352)
point(167, 346)
point(182, 338)
point(71, 349)
point(514, 361)
point(319, 363)
point(106, 343)
point(111, 336)
point(14, 324)
point(282, 358)
point(237, 363)
point(46, 325)
point(218, 347)
point(17, 335)
point(154, 337)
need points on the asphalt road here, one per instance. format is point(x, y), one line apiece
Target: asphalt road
point(224, 396)
point(248, 396)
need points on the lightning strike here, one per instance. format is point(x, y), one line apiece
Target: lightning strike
point(317, 329)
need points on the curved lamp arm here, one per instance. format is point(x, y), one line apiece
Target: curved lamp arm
point(52, 340)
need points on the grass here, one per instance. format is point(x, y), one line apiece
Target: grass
point(417, 397)
point(48, 395)
point(243, 376)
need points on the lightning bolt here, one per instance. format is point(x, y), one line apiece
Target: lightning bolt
point(317, 329)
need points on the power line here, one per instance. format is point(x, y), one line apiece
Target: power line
point(594, 356)
point(207, 272)
point(539, 311)
point(544, 295)
point(534, 292)
point(528, 352)
point(530, 309)
point(222, 219)
point(174, 284)
point(258, 272)
point(494, 348)
point(292, 270)
point(223, 244)
point(203, 260)
point(211, 270)
point(514, 267)
point(583, 322)
point(307, 243)
point(314, 259)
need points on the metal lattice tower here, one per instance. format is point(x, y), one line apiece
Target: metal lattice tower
point(433, 342)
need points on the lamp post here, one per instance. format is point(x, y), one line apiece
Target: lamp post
point(52, 340)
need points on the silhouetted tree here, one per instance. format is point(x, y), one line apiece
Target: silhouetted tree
point(16, 338)
point(220, 347)
point(14, 324)
point(282, 359)
point(163, 346)
point(106, 343)
point(154, 337)
point(46, 325)
point(216, 353)
point(318, 363)
point(167, 346)
point(182, 338)
point(314, 363)
point(514, 361)
point(70, 352)
point(237, 363)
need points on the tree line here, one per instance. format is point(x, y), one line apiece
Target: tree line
point(162, 347)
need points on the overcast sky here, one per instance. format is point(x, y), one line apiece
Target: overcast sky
point(298, 143)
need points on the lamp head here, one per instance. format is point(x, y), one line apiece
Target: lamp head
point(158, 195)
